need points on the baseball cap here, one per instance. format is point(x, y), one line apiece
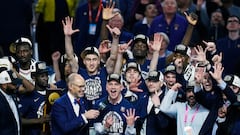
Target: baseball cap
point(155, 76)
point(232, 80)
point(141, 37)
point(182, 49)
point(38, 68)
point(65, 57)
point(23, 40)
point(90, 50)
point(5, 63)
point(114, 77)
point(170, 69)
point(19, 41)
point(132, 65)
point(8, 76)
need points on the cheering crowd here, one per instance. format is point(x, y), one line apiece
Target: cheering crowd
point(125, 67)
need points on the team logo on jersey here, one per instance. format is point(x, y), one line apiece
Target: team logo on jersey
point(93, 88)
point(40, 109)
point(117, 127)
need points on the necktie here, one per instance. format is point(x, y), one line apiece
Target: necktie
point(80, 102)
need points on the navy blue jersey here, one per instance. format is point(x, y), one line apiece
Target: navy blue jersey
point(116, 111)
point(95, 87)
point(31, 107)
point(146, 65)
point(63, 85)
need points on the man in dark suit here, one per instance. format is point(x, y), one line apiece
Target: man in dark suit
point(69, 116)
point(10, 123)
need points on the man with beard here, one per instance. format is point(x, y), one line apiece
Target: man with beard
point(10, 123)
point(24, 59)
point(190, 115)
point(31, 105)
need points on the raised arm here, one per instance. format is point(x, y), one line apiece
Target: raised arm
point(68, 31)
point(107, 14)
point(110, 64)
point(166, 105)
point(121, 49)
point(55, 58)
point(157, 43)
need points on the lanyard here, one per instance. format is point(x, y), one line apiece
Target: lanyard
point(90, 12)
point(186, 114)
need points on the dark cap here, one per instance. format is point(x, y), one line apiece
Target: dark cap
point(90, 50)
point(232, 80)
point(134, 65)
point(170, 69)
point(114, 77)
point(155, 76)
point(39, 68)
point(182, 49)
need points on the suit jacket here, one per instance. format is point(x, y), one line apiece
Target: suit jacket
point(64, 119)
point(156, 123)
point(8, 123)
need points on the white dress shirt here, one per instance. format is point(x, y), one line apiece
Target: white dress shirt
point(13, 108)
point(76, 107)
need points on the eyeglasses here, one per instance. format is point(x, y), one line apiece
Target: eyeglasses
point(82, 87)
point(233, 21)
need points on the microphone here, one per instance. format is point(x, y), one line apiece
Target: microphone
point(102, 105)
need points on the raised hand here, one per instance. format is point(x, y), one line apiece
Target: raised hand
point(133, 86)
point(104, 47)
point(56, 56)
point(107, 12)
point(191, 18)
point(218, 70)
point(217, 58)
point(67, 26)
point(130, 117)
point(155, 99)
point(157, 43)
point(201, 54)
point(211, 46)
point(115, 32)
point(123, 47)
point(176, 86)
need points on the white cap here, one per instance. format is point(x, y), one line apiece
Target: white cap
point(232, 80)
point(23, 40)
point(5, 63)
point(5, 77)
point(90, 50)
